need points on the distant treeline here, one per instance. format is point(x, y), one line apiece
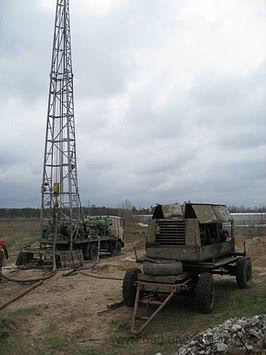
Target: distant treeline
point(243, 209)
point(87, 211)
point(19, 212)
point(94, 211)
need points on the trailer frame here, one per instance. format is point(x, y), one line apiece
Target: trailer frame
point(182, 283)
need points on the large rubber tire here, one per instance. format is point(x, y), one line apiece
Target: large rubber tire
point(23, 258)
point(86, 251)
point(205, 293)
point(116, 247)
point(244, 273)
point(129, 287)
point(162, 269)
point(93, 251)
point(2, 257)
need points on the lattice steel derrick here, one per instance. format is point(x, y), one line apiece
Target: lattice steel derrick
point(60, 183)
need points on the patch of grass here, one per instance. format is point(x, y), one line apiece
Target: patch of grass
point(51, 327)
point(19, 233)
point(53, 341)
point(234, 302)
point(8, 319)
point(93, 352)
point(21, 347)
point(180, 319)
point(25, 312)
point(10, 322)
point(6, 325)
point(51, 344)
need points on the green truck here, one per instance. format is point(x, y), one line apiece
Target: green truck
point(103, 234)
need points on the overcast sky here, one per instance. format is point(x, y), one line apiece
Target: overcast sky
point(170, 99)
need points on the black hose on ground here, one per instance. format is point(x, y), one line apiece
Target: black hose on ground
point(23, 293)
point(42, 278)
point(80, 270)
point(101, 277)
point(74, 271)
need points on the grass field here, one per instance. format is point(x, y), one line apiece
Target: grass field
point(19, 233)
point(173, 325)
point(60, 317)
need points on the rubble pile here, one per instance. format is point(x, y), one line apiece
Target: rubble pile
point(236, 336)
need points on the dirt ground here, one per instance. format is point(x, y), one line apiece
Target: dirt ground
point(61, 316)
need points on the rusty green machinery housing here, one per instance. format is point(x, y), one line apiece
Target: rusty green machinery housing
point(104, 234)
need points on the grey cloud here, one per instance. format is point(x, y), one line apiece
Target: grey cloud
point(144, 132)
point(26, 40)
point(236, 97)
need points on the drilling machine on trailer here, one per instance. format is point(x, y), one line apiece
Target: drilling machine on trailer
point(66, 237)
point(185, 246)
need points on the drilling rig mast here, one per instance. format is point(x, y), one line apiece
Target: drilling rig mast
point(66, 238)
point(60, 206)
